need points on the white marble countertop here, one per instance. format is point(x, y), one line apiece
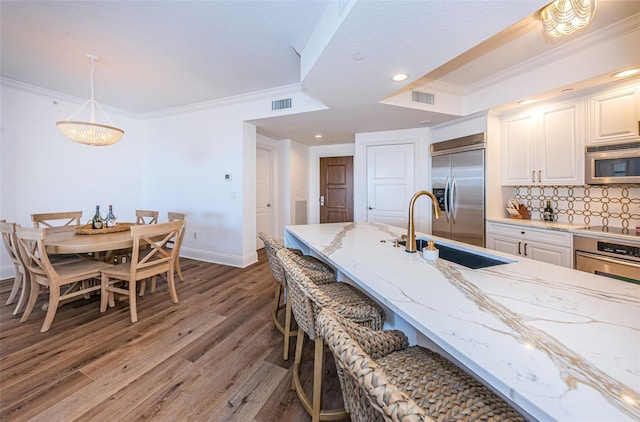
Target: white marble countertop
point(559, 343)
point(538, 224)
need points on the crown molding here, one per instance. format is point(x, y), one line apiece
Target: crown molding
point(62, 97)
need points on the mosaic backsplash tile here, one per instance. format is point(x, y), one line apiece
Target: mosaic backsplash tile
point(591, 205)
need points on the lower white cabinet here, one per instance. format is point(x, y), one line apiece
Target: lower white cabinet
point(551, 246)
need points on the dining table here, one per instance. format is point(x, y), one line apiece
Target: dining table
point(71, 241)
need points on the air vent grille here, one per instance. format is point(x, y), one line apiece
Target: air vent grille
point(422, 97)
point(613, 147)
point(281, 104)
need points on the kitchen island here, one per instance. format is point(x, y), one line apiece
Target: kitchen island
point(558, 344)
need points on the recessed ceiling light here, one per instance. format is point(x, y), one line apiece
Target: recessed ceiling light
point(625, 73)
point(527, 101)
point(318, 136)
point(399, 77)
point(567, 90)
point(425, 122)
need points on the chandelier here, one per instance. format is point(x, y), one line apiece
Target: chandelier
point(564, 17)
point(90, 133)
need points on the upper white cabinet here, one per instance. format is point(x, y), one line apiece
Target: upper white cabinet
point(544, 146)
point(614, 115)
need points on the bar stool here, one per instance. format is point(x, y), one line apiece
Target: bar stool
point(318, 271)
point(386, 379)
point(307, 299)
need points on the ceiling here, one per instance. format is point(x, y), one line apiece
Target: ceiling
point(159, 55)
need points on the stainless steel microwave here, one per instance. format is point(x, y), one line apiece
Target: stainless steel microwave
point(612, 164)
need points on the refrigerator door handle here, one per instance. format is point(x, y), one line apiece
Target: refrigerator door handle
point(446, 198)
point(452, 208)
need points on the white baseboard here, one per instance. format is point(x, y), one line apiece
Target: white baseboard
point(219, 258)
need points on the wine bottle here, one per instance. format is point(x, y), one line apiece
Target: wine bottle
point(96, 222)
point(111, 218)
point(548, 212)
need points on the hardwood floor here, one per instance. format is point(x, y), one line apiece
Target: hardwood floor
point(210, 357)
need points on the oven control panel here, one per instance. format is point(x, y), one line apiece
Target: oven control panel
point(617, 249)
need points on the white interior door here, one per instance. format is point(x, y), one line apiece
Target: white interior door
point(264, 196)
point(390, 183)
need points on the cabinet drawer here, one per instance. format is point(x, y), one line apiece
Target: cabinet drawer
point(544, 236)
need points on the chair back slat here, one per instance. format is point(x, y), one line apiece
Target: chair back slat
point(30, 242)
point(71, 218)
point(178, 216)
point(149, 247)
point(146, 217)
point(9, 239)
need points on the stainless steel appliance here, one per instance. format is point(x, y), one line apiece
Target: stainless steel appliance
point(457, 181)
point(609, 257)
point(613, 164)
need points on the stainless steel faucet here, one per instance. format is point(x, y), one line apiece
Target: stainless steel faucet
point(411, 229)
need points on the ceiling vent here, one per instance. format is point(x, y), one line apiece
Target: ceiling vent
point(280, 104)
point(422, 97)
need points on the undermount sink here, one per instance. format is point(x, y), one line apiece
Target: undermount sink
point(465, 258)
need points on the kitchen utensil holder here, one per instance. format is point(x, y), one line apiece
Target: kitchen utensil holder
point(523, 213)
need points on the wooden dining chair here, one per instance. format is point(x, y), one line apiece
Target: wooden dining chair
point(36, 261)
point(150, 258)
point(146, 217)
point(171, 216)
point(60, 218)
point(178, 216)
point(21, 282)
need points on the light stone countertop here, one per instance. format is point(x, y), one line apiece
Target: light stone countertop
point(560, 344)
point(579, 229)
point(537, 224)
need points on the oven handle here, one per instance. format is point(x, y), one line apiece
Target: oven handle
point(607, 259)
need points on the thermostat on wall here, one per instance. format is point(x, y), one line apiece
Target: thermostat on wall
point(227, 177)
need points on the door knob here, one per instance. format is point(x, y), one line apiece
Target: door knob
point(371, 208)
point(268, 205)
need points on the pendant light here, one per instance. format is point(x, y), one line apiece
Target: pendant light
point(91, 133)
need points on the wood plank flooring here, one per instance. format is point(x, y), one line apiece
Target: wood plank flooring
point(210, 357)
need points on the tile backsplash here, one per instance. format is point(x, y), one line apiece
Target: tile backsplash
point(591, 205)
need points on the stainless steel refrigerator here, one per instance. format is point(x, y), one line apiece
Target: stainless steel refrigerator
point(457, 181)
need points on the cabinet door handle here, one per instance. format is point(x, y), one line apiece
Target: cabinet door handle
point(525, 249)
point(539, 176)
point(519, 252)
point(533, 176)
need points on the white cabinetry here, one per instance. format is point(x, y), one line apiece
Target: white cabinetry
point(614, 116)
point(551, 246)
point(544, 146)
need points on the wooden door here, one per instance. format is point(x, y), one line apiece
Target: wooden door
point(336, 189)
point(264, 213)
point(390, 183)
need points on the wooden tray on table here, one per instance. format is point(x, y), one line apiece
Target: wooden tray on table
point(119, 227)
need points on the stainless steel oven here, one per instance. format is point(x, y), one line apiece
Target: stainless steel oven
point(607, 257)
point(612, 164)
